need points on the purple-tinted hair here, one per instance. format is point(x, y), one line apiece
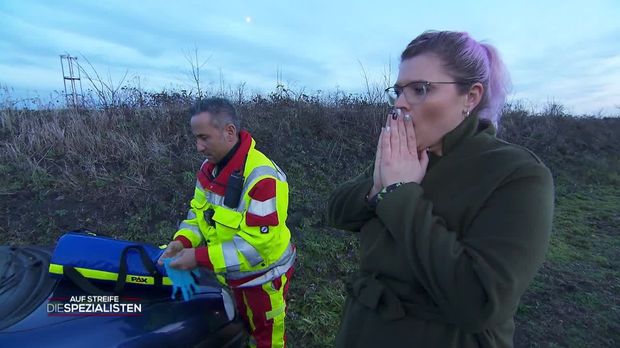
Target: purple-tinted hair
point(470, 61)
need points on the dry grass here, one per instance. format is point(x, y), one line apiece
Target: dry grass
point(129, 172)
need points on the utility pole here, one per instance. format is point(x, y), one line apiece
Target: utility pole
point(74, 98)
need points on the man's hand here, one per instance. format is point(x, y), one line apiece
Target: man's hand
point(186, 259)
point(172, 249)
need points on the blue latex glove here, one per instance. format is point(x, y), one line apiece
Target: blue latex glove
point(181, 279)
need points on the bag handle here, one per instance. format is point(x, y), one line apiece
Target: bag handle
point(86, 285)
point(83, 283)
point(146, 261)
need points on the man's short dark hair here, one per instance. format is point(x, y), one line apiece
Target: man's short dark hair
point(222, 112)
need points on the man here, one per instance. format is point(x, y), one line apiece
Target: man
point(236, 222)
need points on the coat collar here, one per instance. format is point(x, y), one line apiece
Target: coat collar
point(218, 183)
point(467, 129)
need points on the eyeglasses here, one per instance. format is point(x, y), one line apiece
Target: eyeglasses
point(415, 91)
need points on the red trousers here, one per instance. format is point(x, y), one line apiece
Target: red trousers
point(263, 309)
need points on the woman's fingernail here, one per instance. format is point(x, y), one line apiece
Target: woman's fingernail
point(407, 117)
point(387, 128)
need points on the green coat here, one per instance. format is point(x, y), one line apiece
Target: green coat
point(444, 263)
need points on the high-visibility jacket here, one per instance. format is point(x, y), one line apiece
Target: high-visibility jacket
point(249, 244)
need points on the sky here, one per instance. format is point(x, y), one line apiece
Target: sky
point(563, 52)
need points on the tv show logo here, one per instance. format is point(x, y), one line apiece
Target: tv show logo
point(94, 306)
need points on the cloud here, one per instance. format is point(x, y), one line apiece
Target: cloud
point(317, 45)
point(583, 76)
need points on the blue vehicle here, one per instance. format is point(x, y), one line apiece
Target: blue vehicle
point(26, 291)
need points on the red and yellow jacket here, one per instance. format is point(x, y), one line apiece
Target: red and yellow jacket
point(245, 245)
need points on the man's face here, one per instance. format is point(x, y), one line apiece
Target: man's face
point(211, 141)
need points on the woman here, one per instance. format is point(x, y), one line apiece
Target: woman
point(453, 222)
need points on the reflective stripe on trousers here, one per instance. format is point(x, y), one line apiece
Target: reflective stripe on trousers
point(263, 309)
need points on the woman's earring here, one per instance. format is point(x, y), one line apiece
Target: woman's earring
point(465, 113)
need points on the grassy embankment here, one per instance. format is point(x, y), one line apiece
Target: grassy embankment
point(129, 172)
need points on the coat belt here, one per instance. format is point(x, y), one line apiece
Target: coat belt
point(373, 294)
